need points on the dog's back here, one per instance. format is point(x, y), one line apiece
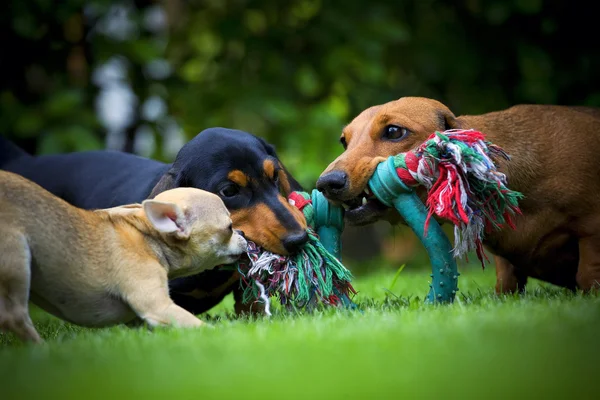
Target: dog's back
point(89, 180)
point(592, 111)
point(10, 152)
point(20, 198)
point(28, 210)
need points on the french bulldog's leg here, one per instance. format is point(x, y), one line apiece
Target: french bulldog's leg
point(508, 280)
point(15, 274)
point(588, 271)
point(149, 299)
point(172, 315)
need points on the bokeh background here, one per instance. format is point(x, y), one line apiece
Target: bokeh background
point(146, 76)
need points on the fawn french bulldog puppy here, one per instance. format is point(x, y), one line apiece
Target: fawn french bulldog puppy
point(104, 267)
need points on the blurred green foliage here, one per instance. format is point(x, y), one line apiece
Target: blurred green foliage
point(293, 72)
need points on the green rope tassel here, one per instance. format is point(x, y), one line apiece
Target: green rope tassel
point(464, 185)
point(310, 277)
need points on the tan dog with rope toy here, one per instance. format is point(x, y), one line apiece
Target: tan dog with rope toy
point(104, 267)
point(554, 162)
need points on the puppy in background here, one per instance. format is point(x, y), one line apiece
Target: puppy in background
point(105, 267)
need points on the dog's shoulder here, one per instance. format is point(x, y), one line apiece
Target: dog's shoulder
point(591, 111)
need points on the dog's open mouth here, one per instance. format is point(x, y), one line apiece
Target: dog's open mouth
point(364, 209)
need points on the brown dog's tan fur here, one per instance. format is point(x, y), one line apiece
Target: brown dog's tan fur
point(554, 162)
point(103, 267)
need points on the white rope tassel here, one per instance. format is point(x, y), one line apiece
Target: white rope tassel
point(264, 297)
point(264, 263)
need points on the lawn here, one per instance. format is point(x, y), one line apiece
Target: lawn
point(543, 344)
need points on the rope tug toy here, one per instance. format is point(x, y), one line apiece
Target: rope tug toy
point(312, 276)
point(463, 186)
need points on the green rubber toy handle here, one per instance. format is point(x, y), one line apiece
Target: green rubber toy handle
point(391, 191)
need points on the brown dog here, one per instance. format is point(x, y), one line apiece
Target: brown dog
point(104, 267)
point(555, 163)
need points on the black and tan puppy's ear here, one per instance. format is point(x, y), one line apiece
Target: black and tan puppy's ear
point(294, 186)
point(448, 120)
point(167, 218)
point(170, 180)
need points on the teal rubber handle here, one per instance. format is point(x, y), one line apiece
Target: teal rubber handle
point(391, 191)
point(329, 223)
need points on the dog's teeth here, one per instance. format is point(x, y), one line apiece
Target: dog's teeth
point(364, 201)
point(346, 206)
point(367, 190)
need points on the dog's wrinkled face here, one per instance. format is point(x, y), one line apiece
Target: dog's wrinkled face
point(374, 135)
point(247, 175)
point(198, 226)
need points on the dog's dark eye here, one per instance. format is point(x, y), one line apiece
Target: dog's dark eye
point(394, 132)
point(229, 190)
point(343, 142)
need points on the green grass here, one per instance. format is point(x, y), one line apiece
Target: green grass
point(541, 345)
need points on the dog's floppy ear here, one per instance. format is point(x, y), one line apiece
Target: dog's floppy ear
point(166, 182)
point(167, 218)
point(294, 184)
point(270, 149)
point(448, 120)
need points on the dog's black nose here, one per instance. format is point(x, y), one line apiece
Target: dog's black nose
point(294, 242)
point(332, 182)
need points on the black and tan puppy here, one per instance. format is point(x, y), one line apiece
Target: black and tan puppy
point(104, 267)
point(554, 162)
point(240, 168)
